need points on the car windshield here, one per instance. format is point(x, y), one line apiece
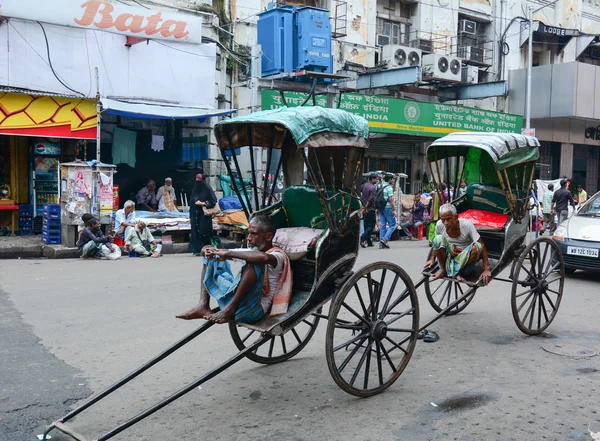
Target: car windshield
point(591, 207)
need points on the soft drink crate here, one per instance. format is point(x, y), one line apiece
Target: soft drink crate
point(25, 210)
point(51, 229)
point(51, 212)
point(25, 231)
point(51, 234)
point(51, 222)
point(52, 208)
point(50, 240)
point(25, 222)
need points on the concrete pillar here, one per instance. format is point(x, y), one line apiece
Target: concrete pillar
point(566, 160)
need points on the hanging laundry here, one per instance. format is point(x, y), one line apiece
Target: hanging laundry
point(158, 143)
point(123, 147)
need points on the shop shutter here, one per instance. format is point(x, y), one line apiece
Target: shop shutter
point(391, 148)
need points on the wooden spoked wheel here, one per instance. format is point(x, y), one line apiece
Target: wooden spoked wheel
point(278, 348)
point(441, 293)
point(538, 282)
point(372, 329)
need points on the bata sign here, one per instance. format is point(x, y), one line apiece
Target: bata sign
point(108, 16)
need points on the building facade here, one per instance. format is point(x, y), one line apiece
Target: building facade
point(157, 70)
point(488, 38)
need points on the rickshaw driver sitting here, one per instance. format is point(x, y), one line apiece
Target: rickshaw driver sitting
point(249, 296)
point(457, 247)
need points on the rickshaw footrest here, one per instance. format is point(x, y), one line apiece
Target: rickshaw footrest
point(67, 430)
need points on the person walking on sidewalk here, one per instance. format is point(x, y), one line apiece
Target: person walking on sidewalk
point(367, 197)
point(387, 215)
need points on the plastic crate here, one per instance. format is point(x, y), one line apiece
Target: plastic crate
point(51, 233)
point(25, 210)
point(26, 231)
point(51, 222)
point(25, 222)
point(52, 208)
point(50, 240)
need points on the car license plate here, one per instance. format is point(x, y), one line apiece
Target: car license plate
point(579, 251)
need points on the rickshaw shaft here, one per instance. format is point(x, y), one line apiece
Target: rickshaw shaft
point(138, 371)
point(469, 292)
point(211, 374)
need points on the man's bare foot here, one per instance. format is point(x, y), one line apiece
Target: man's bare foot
point(440, 275)
point(198, 312)
point(224, 316)
point(460, 278)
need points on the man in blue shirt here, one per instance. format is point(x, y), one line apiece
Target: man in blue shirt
point(387, 216)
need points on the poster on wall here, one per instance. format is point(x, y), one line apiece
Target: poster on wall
point(77, 190)
point(106, 193)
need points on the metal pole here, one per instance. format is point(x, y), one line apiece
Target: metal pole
point(529, 67)
point(98, 140)
point(255, 67)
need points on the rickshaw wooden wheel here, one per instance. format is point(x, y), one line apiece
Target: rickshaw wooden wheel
point(440, 293)
point(372, 329)
point(277, 348)
point(538, 283)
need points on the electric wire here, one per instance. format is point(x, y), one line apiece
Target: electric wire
point(52, 67)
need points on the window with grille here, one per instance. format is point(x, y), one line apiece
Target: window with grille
point(396, 31)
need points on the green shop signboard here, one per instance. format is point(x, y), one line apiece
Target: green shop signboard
point(393, 115)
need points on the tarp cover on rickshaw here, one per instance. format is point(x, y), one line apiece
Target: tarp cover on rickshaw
point(309, 127)
point(505, 149)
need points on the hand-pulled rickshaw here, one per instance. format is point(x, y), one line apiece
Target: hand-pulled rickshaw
point(373, 318)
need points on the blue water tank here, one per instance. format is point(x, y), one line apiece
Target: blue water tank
point(312, 40)
point(276, 36)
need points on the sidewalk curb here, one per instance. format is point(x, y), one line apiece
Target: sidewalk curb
point(33, 251)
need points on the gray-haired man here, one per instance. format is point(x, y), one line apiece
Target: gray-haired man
point(457, 247)
point(125, 219)
point(146, 197)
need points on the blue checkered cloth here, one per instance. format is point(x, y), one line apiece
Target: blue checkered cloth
point(221, 285)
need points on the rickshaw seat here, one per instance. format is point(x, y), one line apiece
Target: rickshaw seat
point(487, 198)
point(301, 205)
point(483, 219)
point(485, 206)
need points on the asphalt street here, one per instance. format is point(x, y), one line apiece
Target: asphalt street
point(71, 327)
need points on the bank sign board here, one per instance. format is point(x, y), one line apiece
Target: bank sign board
point(109, 16)
point(399, 116)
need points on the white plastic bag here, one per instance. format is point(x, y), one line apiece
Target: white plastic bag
point(111, 255)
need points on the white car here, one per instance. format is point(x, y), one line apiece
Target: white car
point(579, 237)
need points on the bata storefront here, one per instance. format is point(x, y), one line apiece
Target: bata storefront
point(400, 129)
point(37, 133)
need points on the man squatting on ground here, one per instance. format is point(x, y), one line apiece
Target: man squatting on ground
point(457, 247)
point(263, 284)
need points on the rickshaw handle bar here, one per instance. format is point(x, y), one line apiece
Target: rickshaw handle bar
point(138, 371)
point(213, 373)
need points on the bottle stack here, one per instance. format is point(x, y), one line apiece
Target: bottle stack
point(25, 219)
point(51, 224)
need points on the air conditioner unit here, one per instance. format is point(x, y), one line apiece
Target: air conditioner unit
point(441, 67)
point(425, 45)
point(594, 53)
point(472, 54)
point(470, 74)
point(401, 56)
point(383, 40)
point(467, 27)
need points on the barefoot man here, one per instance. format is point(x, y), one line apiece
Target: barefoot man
point(457, 246)
point(263, 284)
